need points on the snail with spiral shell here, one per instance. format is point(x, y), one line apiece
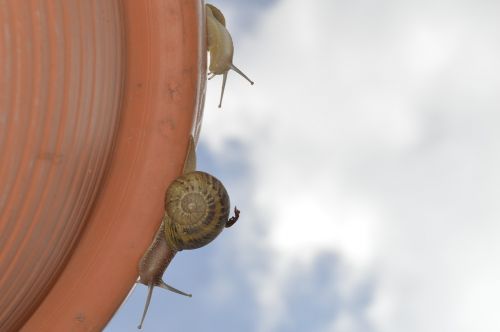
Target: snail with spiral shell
point(196, 211)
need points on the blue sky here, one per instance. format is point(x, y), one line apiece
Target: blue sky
point(365, 163)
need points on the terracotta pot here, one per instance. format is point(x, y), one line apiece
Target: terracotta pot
point(97, 102)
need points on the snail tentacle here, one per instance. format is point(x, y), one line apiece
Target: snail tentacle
point(163, 285)
point(148, 300)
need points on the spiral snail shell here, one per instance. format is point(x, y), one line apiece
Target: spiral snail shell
point(196, 211)
point(197, 206)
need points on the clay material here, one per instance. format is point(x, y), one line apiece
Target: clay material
point(97, 102)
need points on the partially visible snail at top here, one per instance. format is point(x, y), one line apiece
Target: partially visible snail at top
point(196, 212)
point(220, 46)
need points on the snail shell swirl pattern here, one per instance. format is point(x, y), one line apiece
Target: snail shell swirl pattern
point(197, 210)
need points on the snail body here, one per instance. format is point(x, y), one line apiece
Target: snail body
point(220, 46)
point(196, 212)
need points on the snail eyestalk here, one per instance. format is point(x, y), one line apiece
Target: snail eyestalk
point(148, 300)
point(172, 289)
point(163, 285)
point(233, 67)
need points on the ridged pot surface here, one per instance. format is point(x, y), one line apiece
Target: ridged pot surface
point(97, 101)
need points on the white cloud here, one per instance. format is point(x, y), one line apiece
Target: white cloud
point(372, 133)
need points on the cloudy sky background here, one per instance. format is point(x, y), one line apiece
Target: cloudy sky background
point(365, 161)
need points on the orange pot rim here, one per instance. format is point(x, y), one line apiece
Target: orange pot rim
point(162, 104)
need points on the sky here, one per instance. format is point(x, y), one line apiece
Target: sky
point(364, 161)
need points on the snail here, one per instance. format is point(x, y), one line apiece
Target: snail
point(196, 211)
point(220, 46)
